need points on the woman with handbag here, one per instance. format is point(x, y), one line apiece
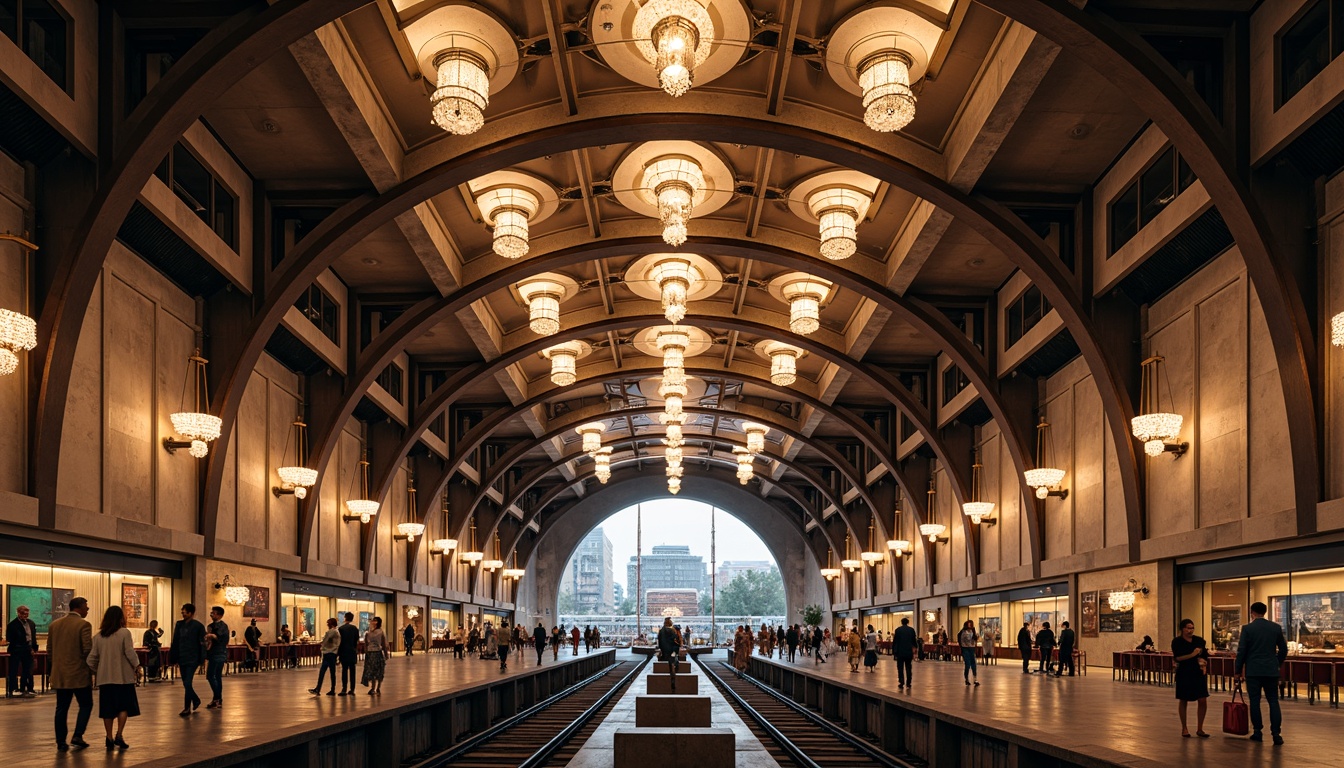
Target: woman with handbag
point(375, 656)
point(1191, 657)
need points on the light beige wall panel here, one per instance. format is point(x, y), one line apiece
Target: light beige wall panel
point(14, 297)
point(284, 523)
point(1268, 450)
point(1171, 483)
point(351, 534)
point(226, 526)
point(251, 442)
point(991, 449)
point(130, 386)
point(1147, 611)
point(1086, 480)
point(1330, 231)
point(175, 484)
point(946, 553)
point(1222, 405)
point(1059, 517)
point(1117, 511)
point(80, 482)
point(1012, 527)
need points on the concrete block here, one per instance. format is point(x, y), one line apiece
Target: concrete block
point(672, 711)
point(661, 685)
point(700, 747)
point(683, 667)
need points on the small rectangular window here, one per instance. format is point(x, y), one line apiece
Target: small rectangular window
point(198, 188)
point(1157, 186)
point(1304, 49)
point(390, 380)
point(1024, 314)
point(322, 311)
point(954, 381)
point(46, 39)
point(1124, 217)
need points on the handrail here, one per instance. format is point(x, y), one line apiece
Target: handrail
point(540, 757)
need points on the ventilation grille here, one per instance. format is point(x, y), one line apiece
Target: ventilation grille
point(145, 234)
point(24, 134)
point(1060, 349)
point(1319, 151)
point(1195, 246)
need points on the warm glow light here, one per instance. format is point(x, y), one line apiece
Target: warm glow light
point(463, 92)
point(602, 464)
point(471, 558)
point(1159, 427)
point(837, 209)
point(411, 530)
point(899, 546)
point(888, 102)
point(673, 485)
point(674, 278)
point(830, 573)
point(364, 509)
point(1336, 330)
point(592, 435)
point(872, 558)
point(675, 180)
point(514, 573)
point(1043, 479)
point(932, 530)
point(443, 546)
point(492, 565)
point(508, 210)
point(755, 436)
point(674, 436)
point(675, 36)
point(804, 314)
point(783, 368)
point(977, 510)
point(543, 305)
point(1121, 600)
point(298, 478)
point(197, 426)
point(18, 333)
point(851, 565)
point(564, 363)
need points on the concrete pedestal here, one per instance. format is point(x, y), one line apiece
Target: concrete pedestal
point(687, 685)
point(672, 711)
point(683, 667)
point(699, 747)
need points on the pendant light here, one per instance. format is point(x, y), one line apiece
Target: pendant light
point(361, 508)
point(297, 478)
point(509, 209)
point(977, 509)
point(828, 573)
point(755, 436)
point(1045, 478)
point(197, 426)
point(746, 469)
point(888, 101)
point(675, 36)
point(18, 332)
point(849, 563)
point(870, 555)
point(1157, 429)
point(444, 545)
point(934, 531)
point(675, 181)
point(472, 556)
point(494, 564)
point(602, 464)
point(592, 435)
point(515, 572)
point(462, 92)
point(407, 531)
point(898, 547)
point(838, 210)
point(674, 277)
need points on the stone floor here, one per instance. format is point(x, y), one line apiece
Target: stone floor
point(597, 752)
point(259, 706)
point(1096, 714)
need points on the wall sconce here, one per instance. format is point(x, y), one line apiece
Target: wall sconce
point(1123, 599)
point(361, 509)
point(1156, 428)
point(409, 530)
point(934, 531)
point(198, 426)
point(443, 546)
point(234, 593)
point(296, 479)
point(1043, 477)
point(828, 573)
point(979, 511)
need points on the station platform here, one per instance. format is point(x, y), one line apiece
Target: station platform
point(1108, 721)
point(265, 712)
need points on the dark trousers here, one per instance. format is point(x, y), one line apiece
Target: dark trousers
point(85, 698)
point(1026, 658)
point(152, 663)
point(458, 648)
point(328, 662)
point(20, 672)
point(540, 650)
point(967, 662)
point(348, 672)
point(1270, 687)
point(188, 675)
point(214, 675)
point(793, 649)
point(410, 647)
point(1066, 660)
point(1046, 664)
point(905, 669)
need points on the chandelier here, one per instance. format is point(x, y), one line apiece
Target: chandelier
point(783, 361)
point(495, 563)
point(602, 464)
point(673, 485)
point(899, 546)
point(472, 556)
point(746, 469)
point(362, 508)
point(18, 333)
point(509, 209)
point(870, 555)
point(197, 426)
point(755, 436)
point(828, 572)
point(675, 471)
point(932, 530)
point(1337, 330)
point(409, 530)
point(1121, 601)
point(462, 92)
point(979, 511)
point(1044, 477)
point(592, 435)
point(565, 361)
point(849, 563)
point(673, 435)
point(443, 546)
point(543, 295)
point(296, 479)
point(672, 454)
point(515, 572)
point(675, 36)
point(1157, 429)
point(838, 210)
point(675, 180)
point(674, 278)
point(234, 593)
point(888, 101)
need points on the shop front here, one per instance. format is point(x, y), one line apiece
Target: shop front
point(444, 618)
point(1002, 614)
point(306, 606)
point(886, 619)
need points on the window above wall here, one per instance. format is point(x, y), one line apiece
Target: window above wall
point(1024, 313)
point(1148, 195)
point(322, 311)
point(1307, 46)
point(44, 32)
point(202, 192)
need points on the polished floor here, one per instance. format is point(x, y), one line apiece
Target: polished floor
point(258, 707)
point(1100, 716)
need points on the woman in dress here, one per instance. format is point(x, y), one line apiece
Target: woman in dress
point(375, 656)
point(967, 639)
point(115, 663)
point(853, 650)
point(870, 649)
point(1191, 657)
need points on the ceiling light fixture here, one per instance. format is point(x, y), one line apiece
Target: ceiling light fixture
point(746, 469)
point(18, 333)
point(676, 37)
point(783, 361)
point(409, 530)
point(362, 508)
point(675, 181)
point(673, 485)
point(472, 556)
point(1044, 478)
point(542, 295)
point(592, 435)
point(1157, 429)
point(674, 278)
point(1337, 330)
point(979, 511)
point(296, 479)
point(888, 101)
point(509, 209)
point(602, 464)
point(515, 572)
point(899, 546)
point(198, 426)
point(564, 361)
point(838, 211)
point(804, 294)
point(462, 92)
point(674, 435)
point(755, 436)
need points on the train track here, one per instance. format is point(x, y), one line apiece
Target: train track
point(547, 733)
point(792, 734)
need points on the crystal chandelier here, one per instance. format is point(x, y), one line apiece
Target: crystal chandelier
point(837, 209)
point(675, 181)
point(508, 210)
point(1336, 330)
point(234, 593)
point(602, 464)
point(564, 362)
point(888, 102)
point(462, 92)
point(592, 435)
point(675, 471)
point(409, 530)
point(675, 36)
point(672, 454)
point(849, 563)
point(755, 436)
point(932, 530)
point(979, 511)
point(18, 333)
point(828, 572)
point(296, 479)
point(362, 508)
point(542, 297)
point(871, 556)
point(1122, 599)
point(746, 469)
point(674, 435)
point(674, 278)
point(472, 556)
point(515, 572)
point(898, 546)
point(673, 485)
point(494, 564)
point(1044, 477)
point(783, 362)
point(1157, 429)
point(443, 546)
point(197, 426)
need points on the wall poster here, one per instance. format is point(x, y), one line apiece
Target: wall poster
point(45, 604)
point(991, 626)
point(1111, 620)
point(1226, 628)
point(364, 618)
point(305, 623)
point(135, 604)
point(258, 605)
point(1088, 600)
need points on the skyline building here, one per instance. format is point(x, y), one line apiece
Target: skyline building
point(588, 575)
point(667, 566)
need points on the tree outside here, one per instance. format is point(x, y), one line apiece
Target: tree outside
point(753, 593)
point(811, 615)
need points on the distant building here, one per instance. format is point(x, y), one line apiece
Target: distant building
point(668, 566)
point(617, 593)
point(589, 575)
point(673, 602)
point(731, 568)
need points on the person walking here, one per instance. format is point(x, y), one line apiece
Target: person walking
point(1067, 640)
point(597, 638)
point(408, 637)
point(967, 641)
point(114, 663)
point(791, 639)
point(1260, 654)
point(818, 643)
point(987, 644)
point(187, 652)
point(742, 643)
point(904, 642)
point(574, 638)
point(216, 656)
point(331, 643)
point(870, 649)
point(153, 652)
point(557, 640)
point(853, 650)
point(669, 649)
point(539, 641)
point(1191, 655)
point(504, 647)
point(252, 636)
point(459, 643)
point(1045, 642)
point(69, 640)
point(376, 652)
point(347, 654)
point(21, 634)
point(1024, 646)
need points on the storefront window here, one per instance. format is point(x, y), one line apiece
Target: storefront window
point(307, 613)
point(47, 592)
point(444, 619)
point(1306, 604)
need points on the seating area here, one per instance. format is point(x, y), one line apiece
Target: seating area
point(1320, 678)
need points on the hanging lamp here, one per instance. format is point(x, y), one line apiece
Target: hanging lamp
point(197, 426)
point(675, 278)
point(746, 469)
point(871, 556)
point(445, 545)
point(362, 508)
point(462, 92)
point(296, 479)
point(509, 210)
point(888, 100)
point(675, 36)
point(409, 530)
point(849, 563)
point(592, 435)
point(977, 509)
point(18, 333)
point(515, 572)
point(838, 210)
point(898, 546)
point(828, 573)
point(472, 556)
point(1045, 478)
point(675, 181)
point(494, 564)
point(1157, 429)
point(602, 464)
point(934, 531)
point(755, 436)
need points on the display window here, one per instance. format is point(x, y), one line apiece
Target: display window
point(1309, 605)
point(47, 591)
point(1004, 618)
point(444, 619)
point(307, 614)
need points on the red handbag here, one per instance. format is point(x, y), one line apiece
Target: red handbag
point(1236, 717)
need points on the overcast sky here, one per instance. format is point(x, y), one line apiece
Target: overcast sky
point(677, 521)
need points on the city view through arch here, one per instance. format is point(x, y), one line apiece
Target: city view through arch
point(675, 558)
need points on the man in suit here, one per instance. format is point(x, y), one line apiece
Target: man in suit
point(1024, 646)
point(21, 634)
point(904, 641)
point(1045, 643)
point(1066, 642)
point(347, 653)
point(187, 651)
point(69, 640)
point(791, 639)
point(1260, 654)
point(539, 641)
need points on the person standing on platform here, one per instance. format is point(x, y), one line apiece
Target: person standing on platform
point(1024, 646)
point(597, 639)
point(408, 637)
point(331, 643)
point(1191, 655)
point(1067, 640)
point(587, 638)
point(21, 634)
point(791, 639)
point(539, 641)
point(870, 649)
point(114, 663)
point(187, 651)
point(69, 640)
point(987, 645)
point(252, 636)
point(347, 653)
point(574, 638)
point(904, 641)
point(669, 648)
point(376, 652)
point(460, 643)
point(818, 643)
point(507, 633)
point(216, 655)
point(1260, 654)
point(853, 650)
point(557, 640)
point(967, 641)
point(153, 652)
point(1045, 643)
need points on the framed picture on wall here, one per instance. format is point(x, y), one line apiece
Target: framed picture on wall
point(45, 604)
point(990, 626)
point(258, 605)
point(1088, 601)
point(1110, 620)
point(364, 618)
point(305, 622)
point(135, 604)
point(1226, 620)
